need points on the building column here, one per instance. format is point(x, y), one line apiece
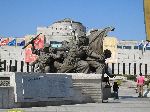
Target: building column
point(115, 68)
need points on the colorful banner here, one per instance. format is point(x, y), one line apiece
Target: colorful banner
point(4, 42)
point(21, 43)
point(29, 57)
point(147, 18)
point(12, 43)
point(28, 54)
point(148, 44)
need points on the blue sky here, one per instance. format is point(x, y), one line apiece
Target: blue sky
point(21, 17)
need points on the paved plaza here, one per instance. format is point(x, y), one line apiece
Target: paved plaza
point(128, 102)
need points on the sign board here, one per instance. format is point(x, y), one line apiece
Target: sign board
point(33, 88)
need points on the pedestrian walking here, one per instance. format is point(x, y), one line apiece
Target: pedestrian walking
point(140, 84)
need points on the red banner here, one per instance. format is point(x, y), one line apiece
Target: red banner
point(28, 54)
point(39, 42)
point(29, 57)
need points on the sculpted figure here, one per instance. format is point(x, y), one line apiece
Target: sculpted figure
point(62, 52)
point(97, 56)
point(45, 61)
point(87, 56)
point(75, 61)
point(84, 55)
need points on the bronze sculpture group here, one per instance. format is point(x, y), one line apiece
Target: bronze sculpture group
point(82, 55)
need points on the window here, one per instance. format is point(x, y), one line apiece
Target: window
point(4, 67)
point(134, 68)
point(16, 65)
point(120, 47)
point(140, 47)
point(129, 68)
point(22, 64)
point(145, 69)
point(10, 65)
point(147, 48)
point(118, 67)
point(140, 67)
point(136, 47)
point(113, 68)
point(27, 66)
point(124, 68)
point(126, 47)
point(55, 44)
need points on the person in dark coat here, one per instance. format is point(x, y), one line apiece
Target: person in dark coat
point(115, 89)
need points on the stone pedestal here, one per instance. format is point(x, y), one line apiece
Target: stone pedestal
point(39, 89)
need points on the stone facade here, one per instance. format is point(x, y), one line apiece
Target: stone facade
point(132, 58)
point(62, 30)
point(14, 56)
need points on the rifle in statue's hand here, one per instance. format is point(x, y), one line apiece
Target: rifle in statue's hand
point(31, 41)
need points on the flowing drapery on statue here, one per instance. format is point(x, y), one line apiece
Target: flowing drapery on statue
point(96, 39)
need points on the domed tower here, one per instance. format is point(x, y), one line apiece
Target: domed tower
point(62, 30)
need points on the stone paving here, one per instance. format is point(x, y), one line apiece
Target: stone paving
point(127, 102)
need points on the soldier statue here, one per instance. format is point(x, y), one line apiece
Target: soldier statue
point(74, 62)
point(96, 62)
point(45, 61)
point(85, 57)
point(62, 53)
point(82, 55)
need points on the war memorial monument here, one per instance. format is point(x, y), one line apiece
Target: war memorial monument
point(70, 74)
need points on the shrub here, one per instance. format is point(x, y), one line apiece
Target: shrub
point(119, 81)
point(131, 77)
point(147, 82)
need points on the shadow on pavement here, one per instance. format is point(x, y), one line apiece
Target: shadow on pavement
point(126, 97)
